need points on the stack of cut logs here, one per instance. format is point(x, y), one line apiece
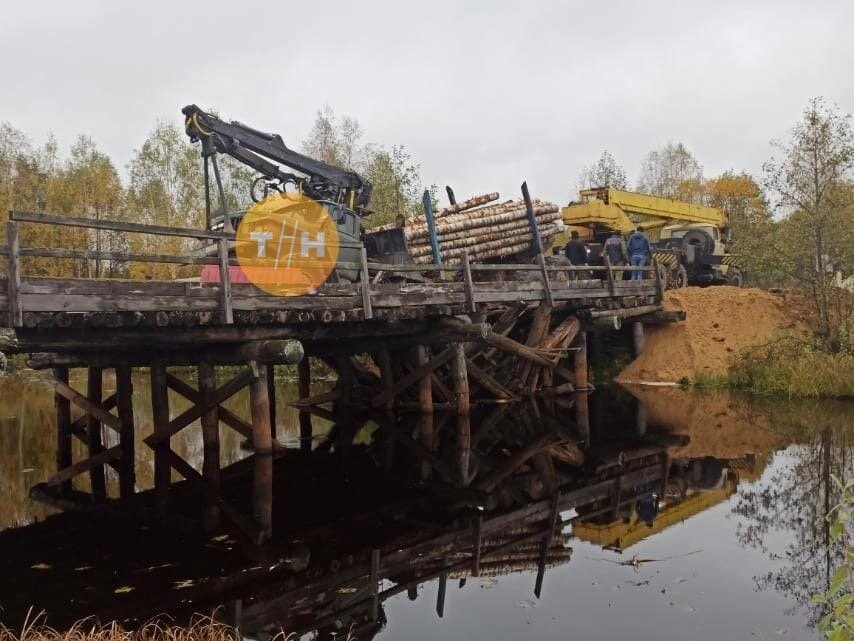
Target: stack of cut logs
point(481, 227)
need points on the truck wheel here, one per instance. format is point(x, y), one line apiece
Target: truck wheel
point(704, 243)
point(663, 276)
point(680, 279)
point(735, 277)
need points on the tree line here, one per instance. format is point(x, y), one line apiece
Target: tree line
point(792, 225)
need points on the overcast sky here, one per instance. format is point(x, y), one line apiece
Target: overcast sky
point(482, 94)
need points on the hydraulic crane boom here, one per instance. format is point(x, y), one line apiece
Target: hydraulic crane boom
point(257, 149)
point(611, 208)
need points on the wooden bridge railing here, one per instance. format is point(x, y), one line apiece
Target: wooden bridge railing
point(223, 260)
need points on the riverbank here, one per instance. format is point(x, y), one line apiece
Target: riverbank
point(747, 339)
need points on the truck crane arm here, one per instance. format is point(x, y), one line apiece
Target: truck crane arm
point(257, 149)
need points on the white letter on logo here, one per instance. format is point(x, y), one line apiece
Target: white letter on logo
point(261, 237)
point(317, 244)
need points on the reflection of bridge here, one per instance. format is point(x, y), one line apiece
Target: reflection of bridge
point(343, 526)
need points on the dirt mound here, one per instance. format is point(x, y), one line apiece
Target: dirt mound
point(720, 322)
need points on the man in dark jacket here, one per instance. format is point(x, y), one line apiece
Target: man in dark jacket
point(615, 249)
point(576, 252)
point(640, 251)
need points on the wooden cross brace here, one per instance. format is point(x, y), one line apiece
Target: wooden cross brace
point(226, 416)
point(200, 408)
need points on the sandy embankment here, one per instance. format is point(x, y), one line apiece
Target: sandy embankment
point(721, 321)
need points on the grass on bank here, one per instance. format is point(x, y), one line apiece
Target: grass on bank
point(200, 629)
point(788, 367)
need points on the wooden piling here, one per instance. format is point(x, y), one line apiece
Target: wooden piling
point(638, 337)
point(271, 391)
point(304, 391)
point(94, 392)
point(383, 358)
point(124, 406)
point(160, 414)
point(460, 377)
point(63, 428)
point(426, 430)
point(581, 361)
point(461, 390)
point(262, 494)
point(425, 385)
point(582, 406)
point(210, 443)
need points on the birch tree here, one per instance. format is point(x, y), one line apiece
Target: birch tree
point(811, 179)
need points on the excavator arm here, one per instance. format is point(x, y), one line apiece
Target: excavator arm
point(265, 152)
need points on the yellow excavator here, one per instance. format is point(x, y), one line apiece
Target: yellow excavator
point(689, 241)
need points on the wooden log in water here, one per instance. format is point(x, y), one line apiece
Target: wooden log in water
point(124, 409)
point(304, 391)
point(425, 384)
point(262, 443)
point(94, 391)
point(160, 418)
point(210, 443)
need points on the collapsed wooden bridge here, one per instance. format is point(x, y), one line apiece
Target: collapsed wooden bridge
point(482, 334)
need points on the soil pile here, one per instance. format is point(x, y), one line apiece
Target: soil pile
point(721, 321)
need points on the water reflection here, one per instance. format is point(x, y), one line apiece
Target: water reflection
point(367, 517)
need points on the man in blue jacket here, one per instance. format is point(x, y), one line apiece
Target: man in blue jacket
point(640, 251)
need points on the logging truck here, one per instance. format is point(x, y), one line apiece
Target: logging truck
point(689, 241)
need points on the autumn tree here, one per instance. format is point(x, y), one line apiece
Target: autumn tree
point(672, 172)
point(394, 176)
point(743, 201)
point(165, 188)
point(89, 186)
point(28, 182)
point(811, 179)
point(606, 172)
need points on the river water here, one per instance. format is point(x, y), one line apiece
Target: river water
point(735, 546)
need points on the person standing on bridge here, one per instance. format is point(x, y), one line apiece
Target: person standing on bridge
point(615, 250)
point(640, 251)
point(576, 253)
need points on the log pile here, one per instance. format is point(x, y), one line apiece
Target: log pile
point(480, 226)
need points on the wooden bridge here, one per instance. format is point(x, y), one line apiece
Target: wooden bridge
point(485, 334)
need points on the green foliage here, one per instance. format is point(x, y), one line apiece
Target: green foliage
point(793, 367)
point(396, 184)
point(838, 599)
point(605, 173)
